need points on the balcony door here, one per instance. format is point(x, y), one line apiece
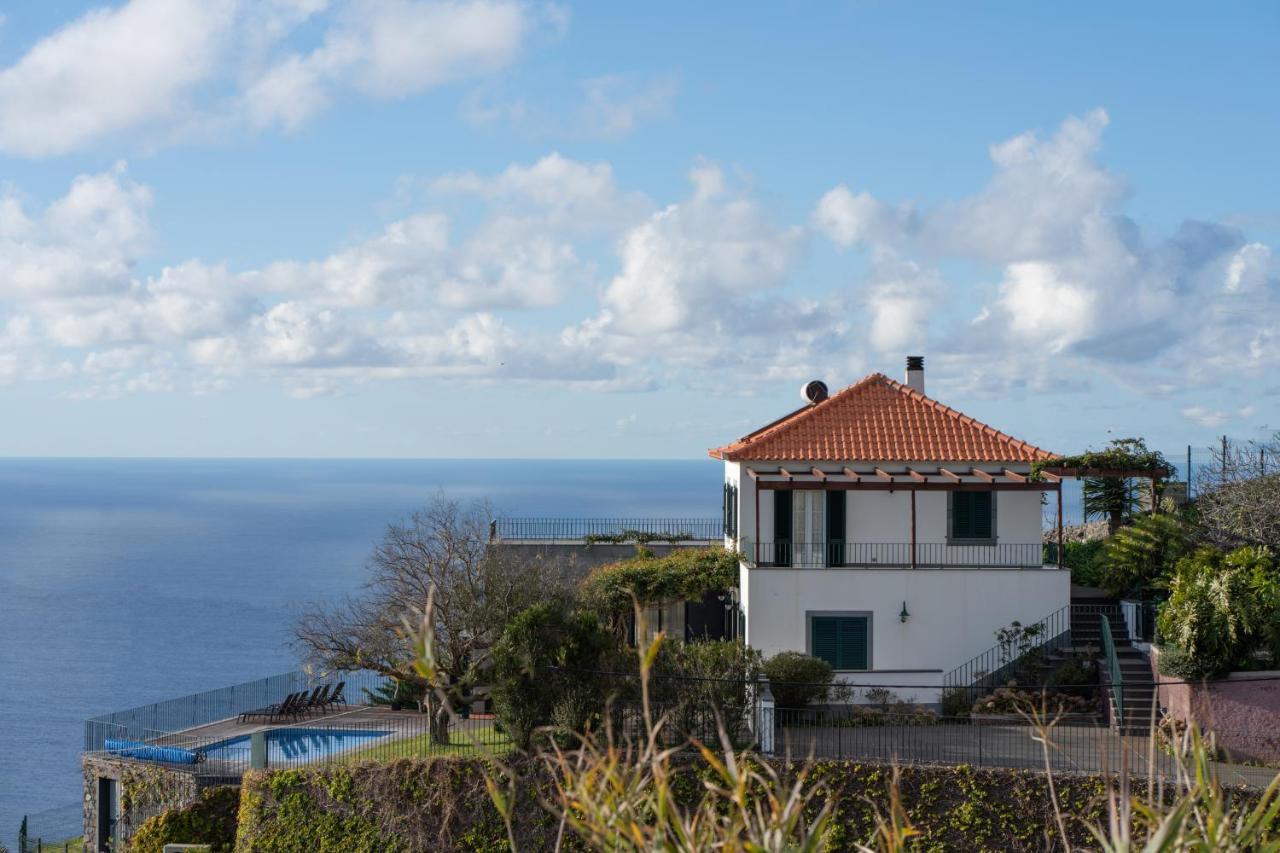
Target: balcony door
point(808, 528)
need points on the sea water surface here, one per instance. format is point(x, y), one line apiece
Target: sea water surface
point(124, 582)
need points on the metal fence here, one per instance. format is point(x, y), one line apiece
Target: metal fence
point(578, 529)
point(56, 830)
point(158, 719)
point(1074, 745)
point(837, 553)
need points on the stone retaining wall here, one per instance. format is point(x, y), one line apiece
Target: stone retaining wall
point(144, 788)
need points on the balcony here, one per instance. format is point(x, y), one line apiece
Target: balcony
point(892, 555)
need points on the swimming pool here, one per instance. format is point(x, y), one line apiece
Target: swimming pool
point(295, 745)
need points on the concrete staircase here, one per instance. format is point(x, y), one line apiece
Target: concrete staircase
point(1137, 688)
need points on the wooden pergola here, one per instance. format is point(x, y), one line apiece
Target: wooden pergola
point(944, 478)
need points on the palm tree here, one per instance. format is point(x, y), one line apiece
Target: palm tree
point(1114, 498)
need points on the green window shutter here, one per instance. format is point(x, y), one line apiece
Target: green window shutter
point(853, 642)
point(824, 640)
point(841, 641)
point(961, 516)
point(971, 515)
point(982, 515)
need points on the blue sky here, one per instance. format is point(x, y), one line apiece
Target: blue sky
point(356, 228)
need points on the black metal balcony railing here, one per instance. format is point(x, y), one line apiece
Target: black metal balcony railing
point(839, 553)
point(579, 529)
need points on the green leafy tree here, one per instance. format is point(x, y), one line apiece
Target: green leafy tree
point(1142, 556)
point(548, 667)
point(1222, 608)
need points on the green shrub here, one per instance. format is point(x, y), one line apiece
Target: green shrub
point(1072, 673)
point(1083, 559)
point(1142, 556)
point(209, 820)
point(546, 669)
point(696, 681)
point(1222, 608)
point(797, 679)
point(956, 702)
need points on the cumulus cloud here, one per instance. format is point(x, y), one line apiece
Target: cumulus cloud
point(168, 66)
point(551, 271)
point(1066, 283)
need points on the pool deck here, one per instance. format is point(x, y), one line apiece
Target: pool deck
point(364, 717)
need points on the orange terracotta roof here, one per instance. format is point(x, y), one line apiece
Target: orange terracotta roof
point(879, 419)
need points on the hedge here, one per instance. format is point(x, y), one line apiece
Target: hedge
point(414, 805)
point(211, 820)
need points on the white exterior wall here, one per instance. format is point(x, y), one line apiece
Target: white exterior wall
point(954, 614)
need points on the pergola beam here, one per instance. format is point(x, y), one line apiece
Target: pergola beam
point(917, 476)
point(1119, 473)
point(982, 475)
point(1015, 476)
point(950, 475)
point(888, 478)
point(854, 476)
point(830, 485)
point(819, 473)
point(784, 473)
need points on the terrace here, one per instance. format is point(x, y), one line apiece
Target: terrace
point(205, 735)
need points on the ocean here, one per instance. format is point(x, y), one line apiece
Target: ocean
point(124, 582)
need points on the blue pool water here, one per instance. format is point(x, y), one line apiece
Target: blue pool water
point(295, 746)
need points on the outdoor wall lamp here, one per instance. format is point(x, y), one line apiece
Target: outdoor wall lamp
point(904, 615)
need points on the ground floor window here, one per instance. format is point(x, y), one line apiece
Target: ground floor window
point(842, 640)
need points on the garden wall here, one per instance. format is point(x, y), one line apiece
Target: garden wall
point(414, 805)
point(1243, 709)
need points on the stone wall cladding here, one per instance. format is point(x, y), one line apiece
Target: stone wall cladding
point(1243, 709)
point(146, 789)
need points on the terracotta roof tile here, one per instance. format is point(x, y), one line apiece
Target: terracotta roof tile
point(879, 419)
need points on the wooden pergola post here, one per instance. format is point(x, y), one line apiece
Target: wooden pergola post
point(755, 558)
point(1059, 525)
point(913, 528)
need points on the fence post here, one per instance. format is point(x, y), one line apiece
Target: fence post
point(258, 750)
point(764, 716)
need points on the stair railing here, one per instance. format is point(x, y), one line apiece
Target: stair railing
point(997, 664)
point(1115, 677)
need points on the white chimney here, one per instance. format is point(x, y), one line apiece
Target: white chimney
point(915, 373)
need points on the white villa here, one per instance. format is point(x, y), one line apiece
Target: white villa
point(887, 533)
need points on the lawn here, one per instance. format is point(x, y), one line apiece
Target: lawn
point(420, 746)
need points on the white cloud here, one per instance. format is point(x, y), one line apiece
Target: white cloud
point(1078, 287)
point(552, 271)
point(1204, 416)
point(609, 106)
point(570, 194)
point(690, 260)
point(901, 296)
point(178, 68)
point(110, 70)
point(614, 105)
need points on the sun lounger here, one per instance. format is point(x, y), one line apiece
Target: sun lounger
point(280, 709)
point(317, 699)
point(335, 698)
